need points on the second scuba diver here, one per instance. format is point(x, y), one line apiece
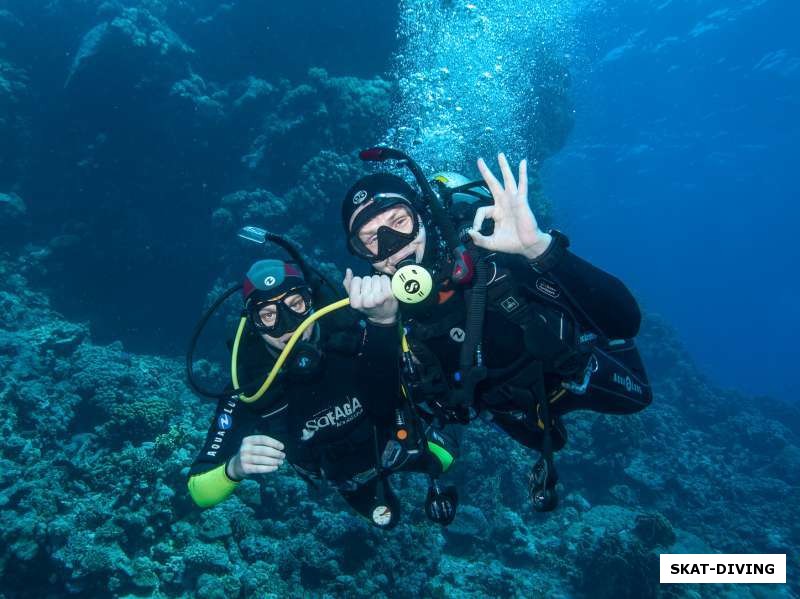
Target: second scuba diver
point(499, 317)
point(327, 422)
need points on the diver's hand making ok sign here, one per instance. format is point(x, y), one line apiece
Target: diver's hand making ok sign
point(515, 228)
point(373, 296)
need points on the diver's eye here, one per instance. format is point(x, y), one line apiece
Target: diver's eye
point(402, 223)
point(268, 315)
point(296, 303)
point(369, 239)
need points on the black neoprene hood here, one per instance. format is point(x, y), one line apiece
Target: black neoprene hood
point(365, 189)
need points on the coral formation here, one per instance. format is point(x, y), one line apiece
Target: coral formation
point(97, 442)
point(145, 164)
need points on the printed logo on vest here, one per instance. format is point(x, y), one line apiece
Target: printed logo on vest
point(627, 382)
point(548, 288)
point(336, 417)
point(509, 304)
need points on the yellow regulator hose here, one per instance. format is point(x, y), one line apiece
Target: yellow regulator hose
point(284, 354)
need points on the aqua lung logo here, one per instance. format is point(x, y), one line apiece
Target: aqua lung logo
point(587, 337)
point(269, 281)
point(224, 423)
point(359, 197)
point(548, 288)
point(627, 382)
point(336, 417)
point(457, 334)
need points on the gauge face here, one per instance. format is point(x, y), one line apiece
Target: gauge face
point(382, 515)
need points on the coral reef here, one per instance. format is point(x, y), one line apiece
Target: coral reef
point(98, 441)
point(118, 203)
point(162, 125)
point(134, 33)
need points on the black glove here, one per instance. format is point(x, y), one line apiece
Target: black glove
point(441, 504)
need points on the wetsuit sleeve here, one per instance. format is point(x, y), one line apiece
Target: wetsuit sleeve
point(598, 299)
point(603, 298)
point(208, 482)
point(377, 369)
point(379, 351)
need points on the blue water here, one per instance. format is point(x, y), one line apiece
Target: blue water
point(678, 174)
point(663, 133)
point(681, 175)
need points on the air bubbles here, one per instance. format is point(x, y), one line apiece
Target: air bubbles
point(466, 69)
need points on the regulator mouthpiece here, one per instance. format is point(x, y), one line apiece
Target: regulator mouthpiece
point(412, 284)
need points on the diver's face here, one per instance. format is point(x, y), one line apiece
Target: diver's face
point(268, 315)
point(397, 218)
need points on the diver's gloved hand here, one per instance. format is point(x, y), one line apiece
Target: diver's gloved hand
point(258, 454)
point(373, 296)
point(515, 228)
point(441, 504)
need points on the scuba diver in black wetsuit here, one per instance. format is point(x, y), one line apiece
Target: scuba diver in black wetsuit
point(333, 407)
point(499, 317)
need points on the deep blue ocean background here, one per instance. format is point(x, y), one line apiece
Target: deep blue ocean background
point(137, 136)
point(681, 173)
point(678, 174)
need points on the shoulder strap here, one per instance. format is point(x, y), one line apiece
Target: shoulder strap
point(550, 329)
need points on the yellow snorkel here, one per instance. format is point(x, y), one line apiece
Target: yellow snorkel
point(283, 355)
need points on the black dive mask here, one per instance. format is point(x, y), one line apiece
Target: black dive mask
point(286, 318)
point(390, 238)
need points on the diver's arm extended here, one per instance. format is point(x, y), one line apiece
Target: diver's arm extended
point(376, 369)
point(599, 300)
point(377, 374)
point(209, 483)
